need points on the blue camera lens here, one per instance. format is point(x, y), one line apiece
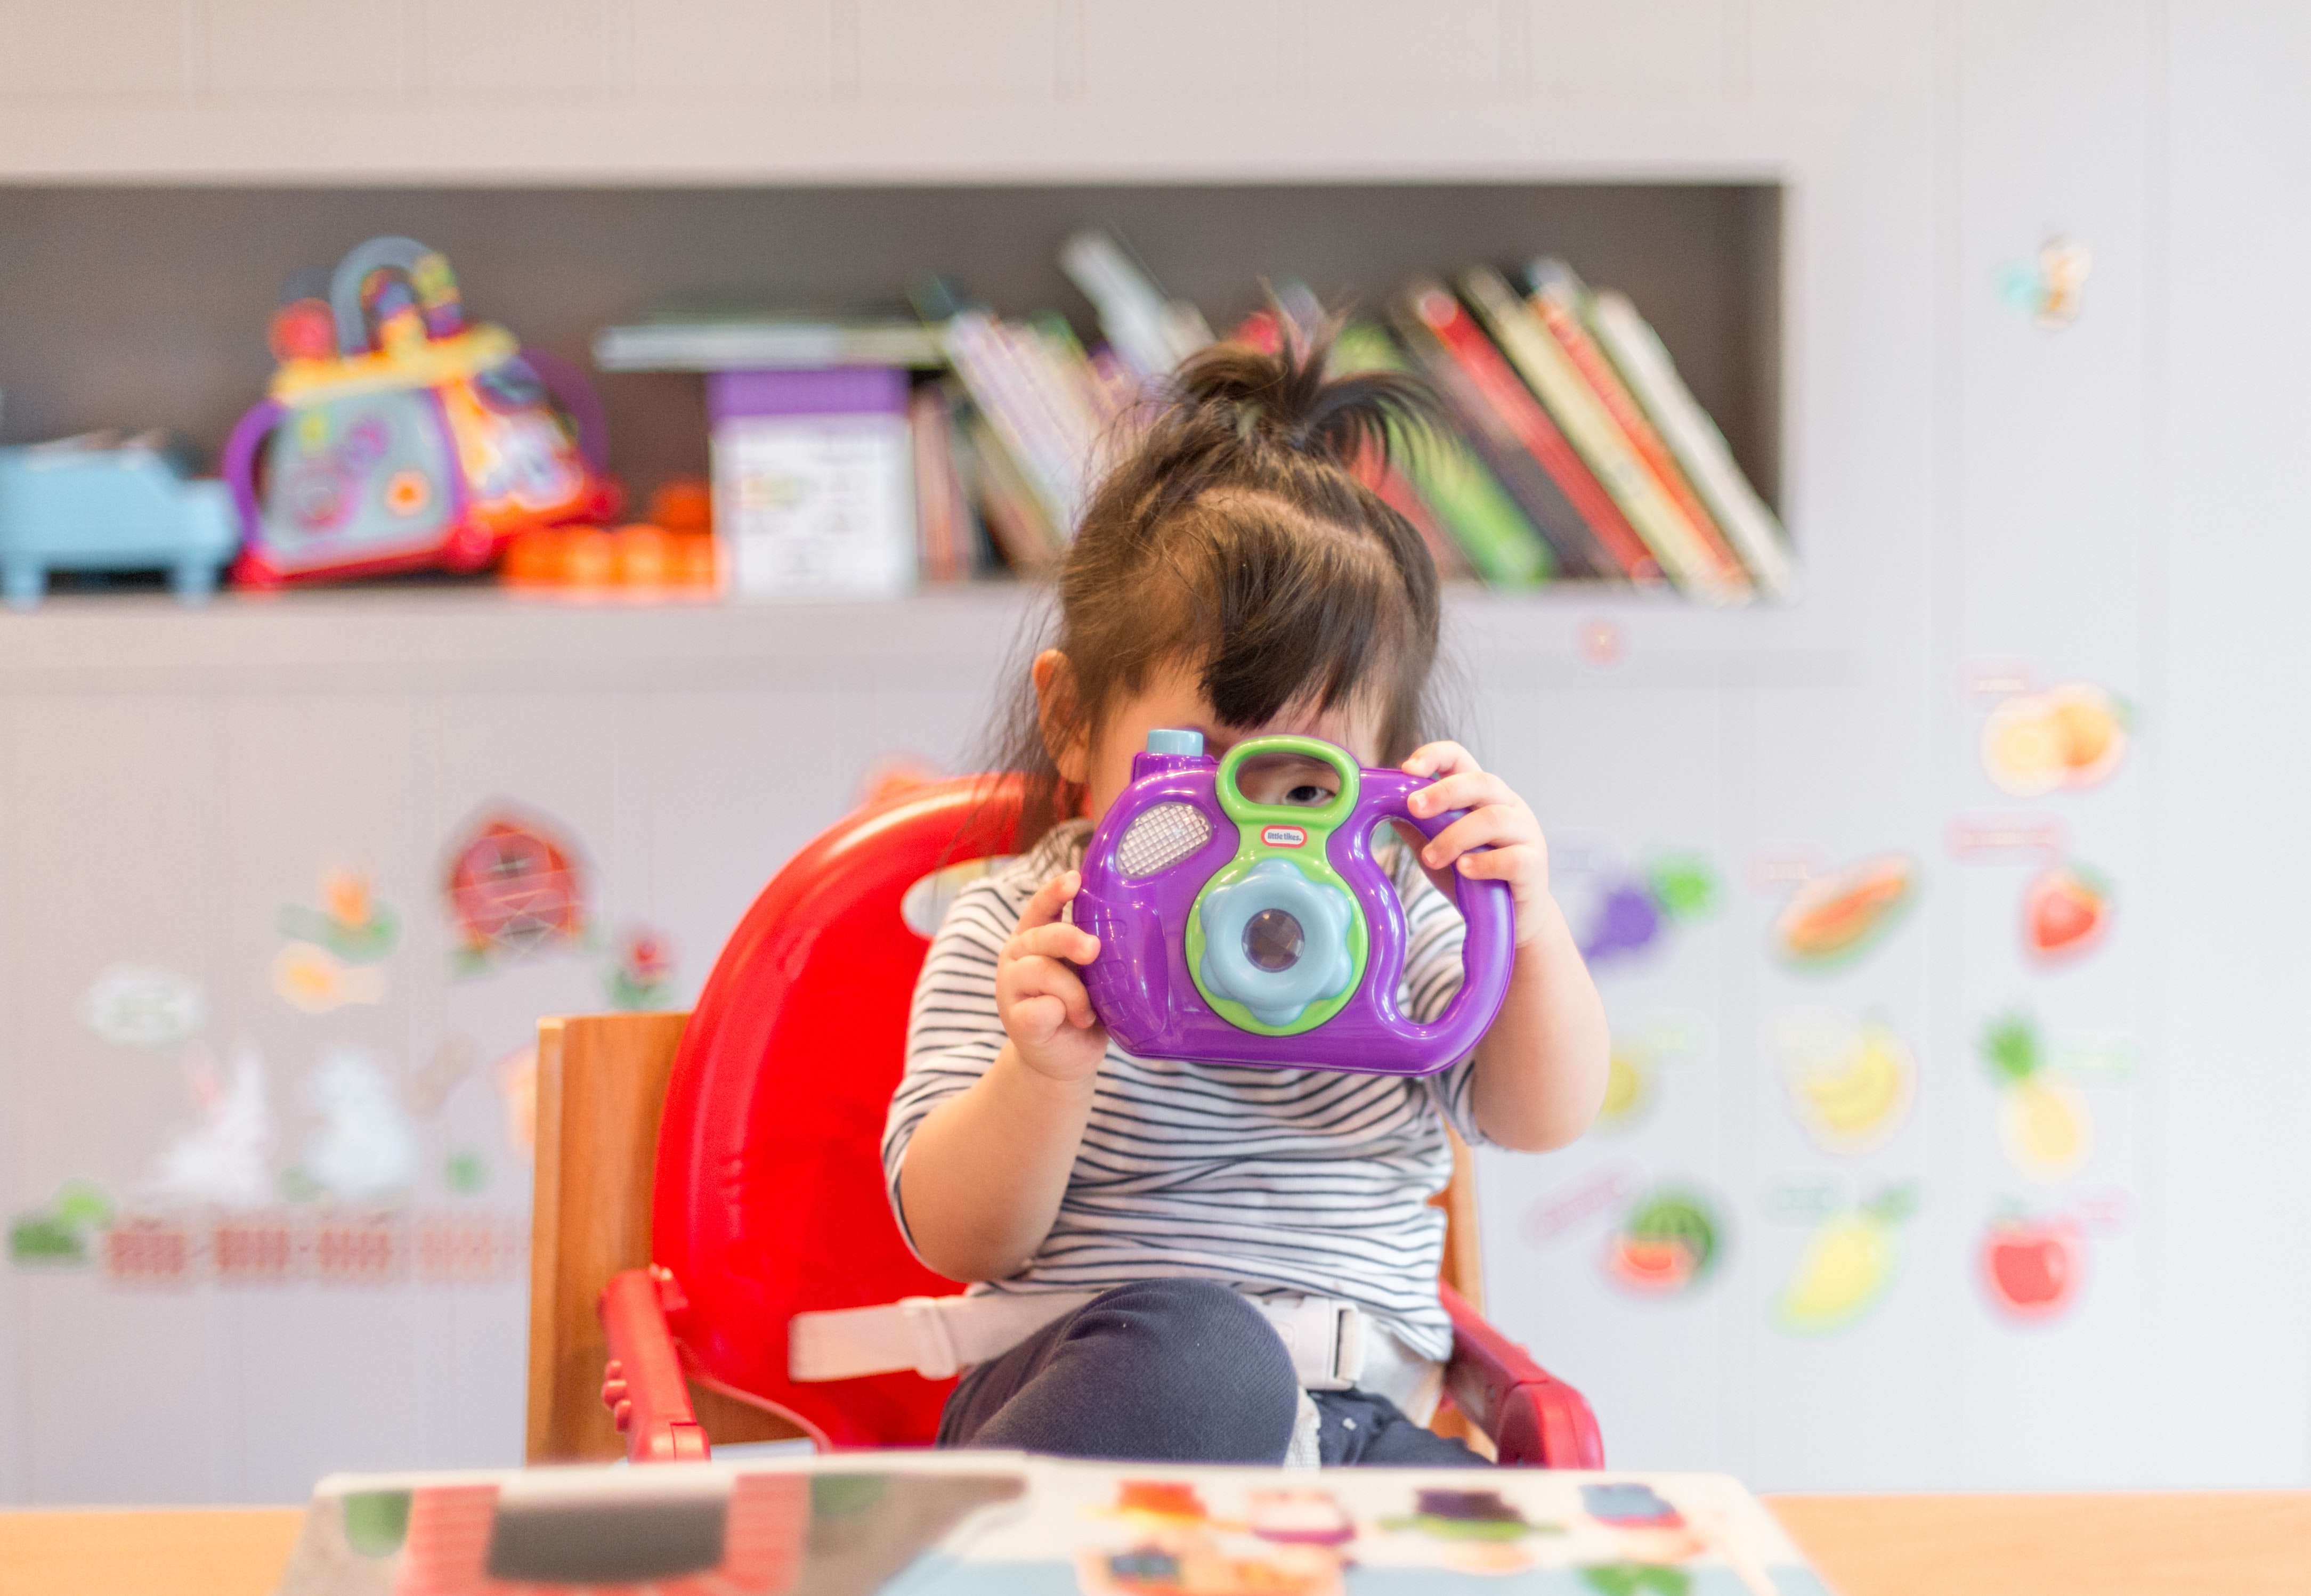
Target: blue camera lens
point(1272, 939)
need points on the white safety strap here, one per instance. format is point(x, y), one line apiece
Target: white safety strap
point(1333, 1346)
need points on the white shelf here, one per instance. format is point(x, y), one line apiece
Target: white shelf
point(401, 638)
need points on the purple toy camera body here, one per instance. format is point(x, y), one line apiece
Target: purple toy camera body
point(1235, 932)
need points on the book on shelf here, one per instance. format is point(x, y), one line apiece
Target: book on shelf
point(766, 344)
point(1483, 530)
point(1561, 300)
point(1152, 334)
point(947, 525)
point(1699, 449)
point(1674, 542)
point(814, 490)
point(1515, 438)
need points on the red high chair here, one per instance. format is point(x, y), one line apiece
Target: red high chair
point(765, 1110)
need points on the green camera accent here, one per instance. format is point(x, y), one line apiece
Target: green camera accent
point(1311, 857)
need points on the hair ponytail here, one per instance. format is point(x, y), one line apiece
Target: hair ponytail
point(1240, 532)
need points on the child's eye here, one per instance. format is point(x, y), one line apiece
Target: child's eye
point(1309, 794)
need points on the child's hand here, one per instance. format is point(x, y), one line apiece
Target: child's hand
point(1498, 821)
point(1045, 1010)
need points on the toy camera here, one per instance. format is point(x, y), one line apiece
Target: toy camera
point(1235, 932)
point(397, 438)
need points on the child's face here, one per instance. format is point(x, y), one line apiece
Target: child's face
point(1173, 698)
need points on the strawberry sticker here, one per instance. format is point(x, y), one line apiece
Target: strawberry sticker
point(2065, 910)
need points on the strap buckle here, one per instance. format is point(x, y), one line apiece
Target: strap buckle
point(1325, 1337)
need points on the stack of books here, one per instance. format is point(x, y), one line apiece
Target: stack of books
point(1571, 451)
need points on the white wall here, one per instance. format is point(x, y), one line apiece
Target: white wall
point(2111, 503)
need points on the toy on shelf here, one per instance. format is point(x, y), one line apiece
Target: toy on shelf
point(97, 503)
point(1239, 933)
point(397, 438)
point(672, 551)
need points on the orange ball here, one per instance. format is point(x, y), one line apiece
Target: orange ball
point(684, 505)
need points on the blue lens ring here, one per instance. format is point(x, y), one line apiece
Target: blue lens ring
point(1324, 969)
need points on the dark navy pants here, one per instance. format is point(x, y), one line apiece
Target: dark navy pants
point(1174, 1371)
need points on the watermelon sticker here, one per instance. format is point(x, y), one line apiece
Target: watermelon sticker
point(1668, 1242)
point(1836, 918)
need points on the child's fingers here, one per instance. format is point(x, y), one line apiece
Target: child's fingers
point(1070, 942)
point(1053, 896)
point(1439, 758)
point(1494, 826)
point(1037, 1019)
point(1467, 789)
point(1036, 979)
point(1500, 864)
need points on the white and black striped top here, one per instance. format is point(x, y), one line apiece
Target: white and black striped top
point(1273, 1181)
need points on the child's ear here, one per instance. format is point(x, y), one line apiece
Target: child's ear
point(1065, 736)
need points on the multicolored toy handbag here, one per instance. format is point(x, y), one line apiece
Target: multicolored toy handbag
point(397, 438)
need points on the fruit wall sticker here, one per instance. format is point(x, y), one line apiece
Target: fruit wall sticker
point(643, 976)
point(350, 923)
point(1634, 911)
point(61, 1234)
point(2067, 738)
point(1851, 1081)
point(1639, 1054)
point(2043, 1121)
point(2065, 910)
point(138, 1005)
point(2049, 289)
point(1848, 1263)
point(1669, 1242)
point(1835, 917)
point(515, 885)
point(2032, 1267)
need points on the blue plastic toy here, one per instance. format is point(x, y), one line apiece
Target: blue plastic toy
point(96, 504)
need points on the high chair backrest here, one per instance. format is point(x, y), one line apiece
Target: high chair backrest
point(762, 1115)
point(769, 1198)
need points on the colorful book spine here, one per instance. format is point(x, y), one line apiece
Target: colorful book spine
point(1482, 522)
point(1637, 354)
point(1015, 520)
point(1603, 448)
point(1524, 446)
point(1561, 300)
point(942, 512)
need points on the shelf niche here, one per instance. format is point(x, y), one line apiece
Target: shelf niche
point(144, 307)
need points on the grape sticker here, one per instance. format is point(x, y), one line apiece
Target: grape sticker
point(1849, 1263)
point(1667, 1243)
point(2043, 1120)
point(2065, 911)
point(2032, 1267)
point(1633, 911)
point(1851, 1083)
point(1834, 918)
point(2068, 738)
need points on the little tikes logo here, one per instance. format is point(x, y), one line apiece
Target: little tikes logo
point(1284, 836)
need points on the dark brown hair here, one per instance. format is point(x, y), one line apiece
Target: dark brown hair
point(1234, 532)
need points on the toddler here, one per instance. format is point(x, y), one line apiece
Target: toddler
point(1151, 1226)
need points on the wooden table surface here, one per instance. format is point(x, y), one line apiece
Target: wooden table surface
point(2169, 1544)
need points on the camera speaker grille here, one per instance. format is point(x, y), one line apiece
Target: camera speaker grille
point(1161, 837)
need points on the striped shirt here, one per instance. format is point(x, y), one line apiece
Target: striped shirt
point(1275, 1182)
